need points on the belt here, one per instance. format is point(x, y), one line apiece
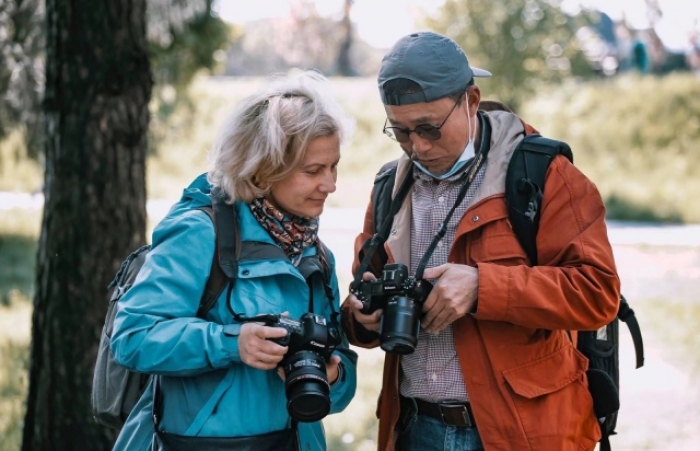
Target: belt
point(451, 414)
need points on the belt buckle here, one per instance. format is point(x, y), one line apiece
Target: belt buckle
point(464, 412)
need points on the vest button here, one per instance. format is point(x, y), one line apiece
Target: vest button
point(246, 272)
point(475, 218)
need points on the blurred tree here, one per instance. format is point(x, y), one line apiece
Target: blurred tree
point(522, 42)
point(98, 85)
point(183, 38)
point(327, 44)
point(22, 70)
point(344, 64)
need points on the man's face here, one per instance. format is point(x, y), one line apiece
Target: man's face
point(436, 156)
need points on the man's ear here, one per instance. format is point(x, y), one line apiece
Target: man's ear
point(473, 97)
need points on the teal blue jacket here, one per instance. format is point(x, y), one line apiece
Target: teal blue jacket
point(207, 390)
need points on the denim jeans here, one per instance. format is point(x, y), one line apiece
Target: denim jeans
point(423, 433)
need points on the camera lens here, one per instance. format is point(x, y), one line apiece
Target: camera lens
point(400, 325)
point(307, 386)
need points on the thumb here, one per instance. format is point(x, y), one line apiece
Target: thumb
point(436, 272)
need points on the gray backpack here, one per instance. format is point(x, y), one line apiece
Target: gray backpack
point(115, 389)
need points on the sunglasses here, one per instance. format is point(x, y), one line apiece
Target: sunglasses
point(426, 131)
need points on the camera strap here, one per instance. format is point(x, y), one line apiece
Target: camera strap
point(478, 162)
point(370, 247)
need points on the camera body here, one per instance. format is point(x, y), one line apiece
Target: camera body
point(310, 333)
point(311, 342)
point(401, 297)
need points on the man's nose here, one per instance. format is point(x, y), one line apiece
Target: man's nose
point(420, 145)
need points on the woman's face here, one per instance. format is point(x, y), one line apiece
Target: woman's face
point(305, 190)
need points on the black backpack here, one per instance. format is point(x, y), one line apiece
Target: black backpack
point(524, 184)
point(115, 389)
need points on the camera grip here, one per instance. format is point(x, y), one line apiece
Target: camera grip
point(282, 341)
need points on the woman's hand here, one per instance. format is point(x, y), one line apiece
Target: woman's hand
point(256, 350)
point(333, 369)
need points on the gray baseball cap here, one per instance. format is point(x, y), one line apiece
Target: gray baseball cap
point(433, 61)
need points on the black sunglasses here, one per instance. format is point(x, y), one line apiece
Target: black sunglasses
point(426, 131)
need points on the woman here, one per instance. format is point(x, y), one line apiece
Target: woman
point(218, 384)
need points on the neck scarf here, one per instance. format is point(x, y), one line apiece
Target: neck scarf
point(291, 234)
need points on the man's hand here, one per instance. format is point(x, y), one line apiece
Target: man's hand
point(256, 350)
point(371, 321)
point(452, 297)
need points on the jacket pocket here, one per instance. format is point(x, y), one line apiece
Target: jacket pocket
point(502, 248)
point(552, 401)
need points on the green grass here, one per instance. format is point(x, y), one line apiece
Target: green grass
point(636, 137)
point(13, 390)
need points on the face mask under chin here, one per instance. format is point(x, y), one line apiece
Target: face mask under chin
point(467, 154)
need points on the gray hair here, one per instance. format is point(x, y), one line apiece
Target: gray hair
point(267, 135)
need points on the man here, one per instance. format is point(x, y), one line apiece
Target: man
point(494, 367)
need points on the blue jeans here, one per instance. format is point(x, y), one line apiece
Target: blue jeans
point(423, 433)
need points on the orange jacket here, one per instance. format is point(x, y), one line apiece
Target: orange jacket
point(525, 379)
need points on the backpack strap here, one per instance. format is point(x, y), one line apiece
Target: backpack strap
point(524, 192)
point(384, 210)
point(626, 315)
point(525, 184)
point(381, 194)
point(224, 266)
point(325, 261)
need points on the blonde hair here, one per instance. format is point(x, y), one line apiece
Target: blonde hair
point(267, 135)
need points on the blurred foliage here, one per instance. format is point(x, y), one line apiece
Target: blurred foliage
point(19, 171)
point(13, 389)
point(301, 40)
point(522, 42)
point(184, 36)
point(19, 229)
point(636, 137)
point(22, 37)
point(17, 260)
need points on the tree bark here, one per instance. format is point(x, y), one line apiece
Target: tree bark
point(344, 65)
point(98, 84)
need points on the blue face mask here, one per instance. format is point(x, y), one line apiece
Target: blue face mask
point(466, 155)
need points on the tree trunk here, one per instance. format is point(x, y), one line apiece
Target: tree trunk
point(344, 65)
point(98, 85)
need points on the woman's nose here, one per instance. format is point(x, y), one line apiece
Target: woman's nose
point(328, 183)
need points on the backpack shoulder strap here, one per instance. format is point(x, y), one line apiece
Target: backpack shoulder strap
point(627, 316)
point(381, 195)
point(224, 266)
point(325, 261)
point(525, 184)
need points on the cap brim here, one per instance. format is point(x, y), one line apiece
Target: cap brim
point(480, 72)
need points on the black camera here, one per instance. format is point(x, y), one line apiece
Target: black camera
point(401, 297)
point(311, 341)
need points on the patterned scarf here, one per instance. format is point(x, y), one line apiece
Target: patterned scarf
point(291, 234)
